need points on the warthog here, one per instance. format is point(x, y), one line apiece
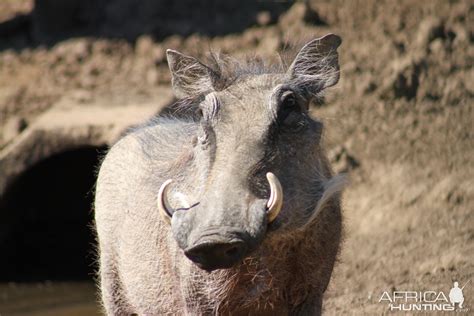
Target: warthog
point(232, 211)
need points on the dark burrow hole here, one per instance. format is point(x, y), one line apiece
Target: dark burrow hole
point(46, 219)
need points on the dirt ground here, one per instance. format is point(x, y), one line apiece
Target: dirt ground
point(400, 123)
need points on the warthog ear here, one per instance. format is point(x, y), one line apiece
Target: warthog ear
point(316, 67)
point(190, 77)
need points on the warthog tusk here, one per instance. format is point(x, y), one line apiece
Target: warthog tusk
point(275, 201)
point(163, 205)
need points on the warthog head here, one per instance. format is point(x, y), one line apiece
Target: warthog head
point(256, 164)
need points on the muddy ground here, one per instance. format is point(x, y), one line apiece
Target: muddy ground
point(400, 123)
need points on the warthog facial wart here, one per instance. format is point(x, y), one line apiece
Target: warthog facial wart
point(233, 210)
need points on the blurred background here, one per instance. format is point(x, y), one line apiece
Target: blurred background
point(75, 74)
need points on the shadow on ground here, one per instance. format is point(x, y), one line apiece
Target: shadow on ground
point(52, 21)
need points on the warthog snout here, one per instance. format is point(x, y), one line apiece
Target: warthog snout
point(211, 255)
point(214, 237)
point(219, 231)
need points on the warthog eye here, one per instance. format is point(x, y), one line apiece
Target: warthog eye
point(288, 100)
point(199, 113)
point(290, 114)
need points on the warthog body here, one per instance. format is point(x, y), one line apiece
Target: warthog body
point(227, 247)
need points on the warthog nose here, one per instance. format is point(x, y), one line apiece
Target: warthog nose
point(212, 256)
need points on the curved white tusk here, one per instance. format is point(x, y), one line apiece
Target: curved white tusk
point(275, 201)
point(163, 205)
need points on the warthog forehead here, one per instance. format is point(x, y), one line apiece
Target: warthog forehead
point(255, 85)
